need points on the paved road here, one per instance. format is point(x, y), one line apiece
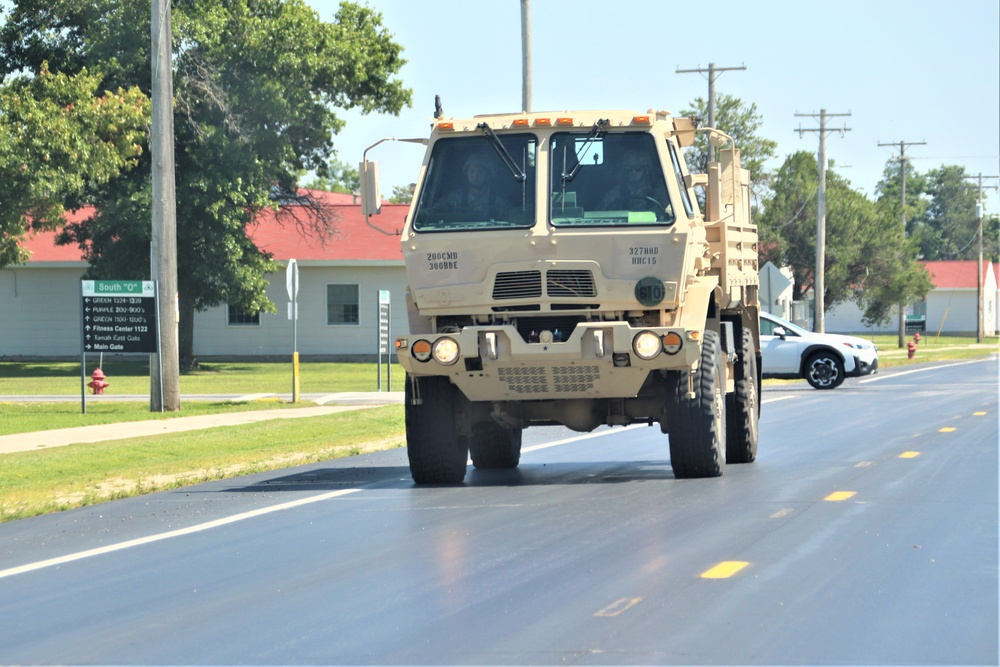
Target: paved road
point(866, 533)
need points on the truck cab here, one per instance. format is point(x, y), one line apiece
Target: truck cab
point(562, 271)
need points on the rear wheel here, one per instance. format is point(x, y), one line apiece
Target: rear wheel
point(437, 453)
point(743, 406)
point(697, 425)
point(494, 447)
point(824, 370)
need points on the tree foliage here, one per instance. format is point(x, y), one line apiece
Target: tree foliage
point(59, 139)
point(867, 258)
point(742, 122)
point(256, 87)
point(341, 177)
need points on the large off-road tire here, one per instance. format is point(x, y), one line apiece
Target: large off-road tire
point(437, 453)
point(824, 370)
point(494, 447)
point(697, 426)
point(743, 406)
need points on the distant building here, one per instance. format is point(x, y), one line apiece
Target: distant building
point(950, 307)
point(338, 295)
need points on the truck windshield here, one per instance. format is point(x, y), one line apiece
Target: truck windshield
point(469, 186)
point(613, 179)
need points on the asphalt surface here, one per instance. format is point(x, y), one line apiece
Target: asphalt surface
point(865, 533)
point(326, 404)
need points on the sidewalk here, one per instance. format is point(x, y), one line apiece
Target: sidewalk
point(330, 404)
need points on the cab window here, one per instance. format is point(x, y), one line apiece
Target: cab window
point(474, 184)
point(607, 180)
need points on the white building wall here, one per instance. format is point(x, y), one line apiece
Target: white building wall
point(951, 311)
point(214, 336)
point(40, 311)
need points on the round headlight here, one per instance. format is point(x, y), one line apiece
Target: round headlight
point(421, 350)
point(446, 351)
point(646, 344)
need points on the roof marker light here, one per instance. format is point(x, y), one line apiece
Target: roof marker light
point(520, 122)
point(547, 122)
point(446, 126)
point(564, 121)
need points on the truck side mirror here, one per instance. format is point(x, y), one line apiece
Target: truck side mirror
point(371, 198)
point(780, 333)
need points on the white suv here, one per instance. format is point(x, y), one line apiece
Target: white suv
point(824, 360)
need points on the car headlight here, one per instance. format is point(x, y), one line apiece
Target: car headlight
point(646, 345)
point(446, 351)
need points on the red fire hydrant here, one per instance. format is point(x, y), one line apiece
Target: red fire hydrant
point(97, 381)
point(916, 337)
point(911, 349)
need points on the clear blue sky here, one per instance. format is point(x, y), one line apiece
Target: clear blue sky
point(910, 70)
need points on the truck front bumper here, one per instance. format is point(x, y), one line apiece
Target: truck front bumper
point(597, 360)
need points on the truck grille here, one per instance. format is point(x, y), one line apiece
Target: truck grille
point(562, 282)
point(536, 380)
point(558, 283)
point(518, 285)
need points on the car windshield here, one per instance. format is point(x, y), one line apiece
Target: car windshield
point(478, 183)
point(601, 179)
point(768, 325)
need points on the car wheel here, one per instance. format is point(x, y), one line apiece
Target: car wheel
point(824, 370)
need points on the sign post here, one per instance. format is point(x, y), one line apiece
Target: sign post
point(383, 338)
point(118, 316)
point(292, 286)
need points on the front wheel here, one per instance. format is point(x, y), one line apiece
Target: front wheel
point(437, 453)
point(824, 370)
point(697, 424)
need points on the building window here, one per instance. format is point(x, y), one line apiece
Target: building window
point(238, 318)
point(342, 304)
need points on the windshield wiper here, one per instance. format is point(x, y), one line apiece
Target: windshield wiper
point(599, 130)
point(498, 146)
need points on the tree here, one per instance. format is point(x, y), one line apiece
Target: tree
point(341, 178)
point(60, 138)
point(257, 85)
point(948, 228)
point(401, 194)
point(867, 259)
point(741, 122)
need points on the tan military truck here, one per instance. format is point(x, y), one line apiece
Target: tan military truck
point(562, 270)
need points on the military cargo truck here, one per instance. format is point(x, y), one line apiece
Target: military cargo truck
point(566, 268)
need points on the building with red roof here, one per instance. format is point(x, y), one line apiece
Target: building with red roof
point(341, 275)
point(950, 307)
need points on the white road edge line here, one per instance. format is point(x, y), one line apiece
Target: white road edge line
point(69, 558)
point(111, 548)
point(920, 370)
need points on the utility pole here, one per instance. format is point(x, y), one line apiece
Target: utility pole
point(819, 281)
point(902, 170)
point(526, 55)
point(164, 390)
point(980, 325)
point(713, 74)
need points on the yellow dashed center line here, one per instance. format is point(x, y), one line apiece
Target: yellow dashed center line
point(978, 414)
point(838, 496)
point(947, 429)
point(909, 455)
point(724, 570)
